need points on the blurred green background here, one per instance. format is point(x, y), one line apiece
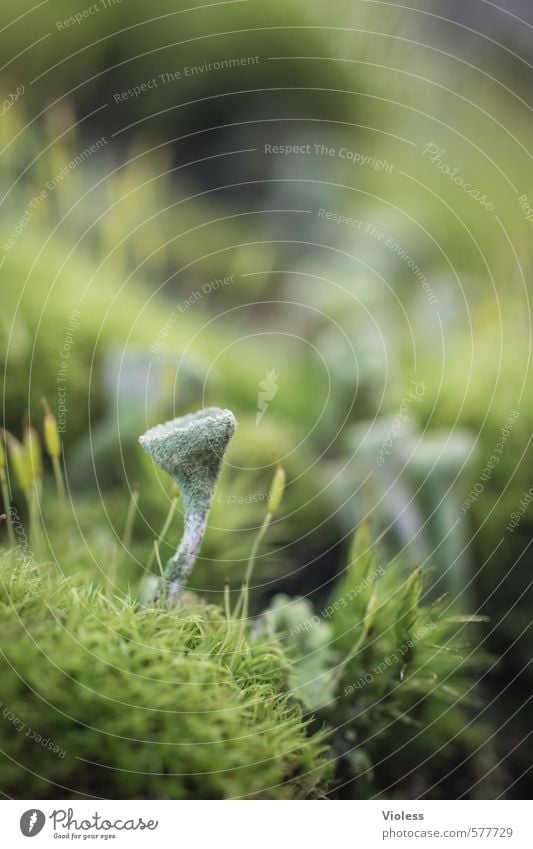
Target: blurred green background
point(324, 203)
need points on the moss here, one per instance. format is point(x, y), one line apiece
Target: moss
point(182, 704)
point(393, 677)
point(140, 703)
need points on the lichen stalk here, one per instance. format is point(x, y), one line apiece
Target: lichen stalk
point(190, 449)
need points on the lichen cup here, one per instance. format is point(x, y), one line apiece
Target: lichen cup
point(190, 449)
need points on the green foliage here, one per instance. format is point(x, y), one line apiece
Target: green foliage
point(98, 248)
point(140, 703)
point(392, 676)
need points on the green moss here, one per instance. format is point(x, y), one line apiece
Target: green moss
point(148, 702)
point(140, 703)
point(190, 449)
point(393, 677)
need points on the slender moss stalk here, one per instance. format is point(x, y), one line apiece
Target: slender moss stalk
point(33, 461)
point(227, 603)
point(256, 546)
point(251, 561)
point(127, 533)
point(58, 475)
point(276, 495)
point(158, 558)
point(229, 620)
point(368, 621)
point(52, 442)
point(5, 496)
point(242, 625)
point(34, 512)
point(164, 530)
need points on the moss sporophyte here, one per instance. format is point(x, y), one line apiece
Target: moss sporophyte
point(190, 449)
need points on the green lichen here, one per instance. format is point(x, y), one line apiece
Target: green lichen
point(190, 449)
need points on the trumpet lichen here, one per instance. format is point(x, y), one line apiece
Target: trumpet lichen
point(190, 449)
